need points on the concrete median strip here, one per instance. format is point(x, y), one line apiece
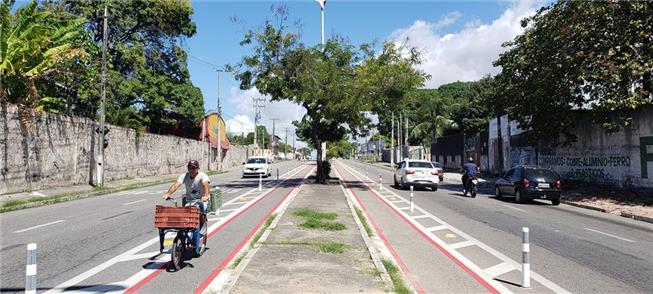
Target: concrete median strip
point(226, 279)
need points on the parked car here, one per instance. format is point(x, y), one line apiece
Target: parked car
point(530, 182)
point(256, 165)
point(416, 173)
point(438, 167)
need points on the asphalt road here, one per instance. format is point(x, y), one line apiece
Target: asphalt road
point(79, 236)
point(579, 250)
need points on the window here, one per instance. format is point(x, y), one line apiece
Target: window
point(256, 160)
point(420, 164)
point(436, 164)
point(546, 174)
point(508, 174)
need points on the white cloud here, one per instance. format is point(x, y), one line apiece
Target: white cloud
point(240, 124)
point(243, 104)
point(468, 54)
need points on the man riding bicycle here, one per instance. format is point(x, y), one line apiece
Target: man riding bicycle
point(197, 193)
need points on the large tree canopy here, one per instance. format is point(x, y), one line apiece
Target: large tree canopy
point(148, 80)
point(579, 55)
point(336, 84)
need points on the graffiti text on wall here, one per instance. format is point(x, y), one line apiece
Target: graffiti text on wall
point(603, 168)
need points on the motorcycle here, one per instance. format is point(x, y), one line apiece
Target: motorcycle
point(471, 186)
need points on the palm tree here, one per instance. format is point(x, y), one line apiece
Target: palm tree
point(432, 129)
point(32, 43)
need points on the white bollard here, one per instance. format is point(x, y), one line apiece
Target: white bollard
point(260, 182)
point(367, 176)
point(30, 269)
point(412, 201)
point(380, 183)
point(526, 262)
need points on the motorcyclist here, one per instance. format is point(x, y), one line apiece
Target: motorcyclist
point(469, 170)
point(197, 192)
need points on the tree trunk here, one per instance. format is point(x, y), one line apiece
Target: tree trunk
point(322, 172)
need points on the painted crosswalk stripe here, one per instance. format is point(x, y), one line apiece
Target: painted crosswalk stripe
point(437, 228)
point(499, 269)
point(461, 244)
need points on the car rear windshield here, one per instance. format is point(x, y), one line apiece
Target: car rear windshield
point(546, 174)
point(256, 160)
point(436, 164)
point(420, 164)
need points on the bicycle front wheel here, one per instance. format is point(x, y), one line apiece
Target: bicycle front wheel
point(177, 252)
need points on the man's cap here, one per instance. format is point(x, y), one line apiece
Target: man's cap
point(193, 163)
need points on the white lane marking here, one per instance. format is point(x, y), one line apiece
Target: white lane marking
point(140, 256)
point(153, 264)
point(227, 210)
point(214, 219)
point(499, 269)
point(537, 277)
point(610, 235)
point(404, 208)
point(142, 192)
point(128, 203)
point(397, 200)
point(515, 208)
point(39, 226)
point(420, 216)
point(437, 228)
point(462, 244)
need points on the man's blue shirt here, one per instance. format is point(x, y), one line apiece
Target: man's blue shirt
point(470, 168)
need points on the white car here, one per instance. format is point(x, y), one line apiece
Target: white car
point(416, 173)
point(258, 165)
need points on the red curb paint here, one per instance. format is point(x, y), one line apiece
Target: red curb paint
point(469, 271)
point(158, 271)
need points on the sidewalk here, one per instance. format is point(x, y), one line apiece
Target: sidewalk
point(315, 246)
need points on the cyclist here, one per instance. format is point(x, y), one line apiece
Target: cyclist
point(197, 193)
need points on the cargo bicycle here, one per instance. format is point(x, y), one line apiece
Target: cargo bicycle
point(189, 225)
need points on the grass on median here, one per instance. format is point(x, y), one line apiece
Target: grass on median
point(318, 220)
point(325, 246)
point(366, 226)
point(397, 282)
point(262, 230)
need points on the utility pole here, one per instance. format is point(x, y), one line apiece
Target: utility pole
point(274, 120)
point(100, 156)
point(258, 105)
point(392, 141)
point(219, 111)
point(285, 148)
point(407, 134)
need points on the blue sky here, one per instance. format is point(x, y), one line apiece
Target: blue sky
point(458, 39)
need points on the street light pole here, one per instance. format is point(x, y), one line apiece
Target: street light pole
point(100, 156)
point(322, 3)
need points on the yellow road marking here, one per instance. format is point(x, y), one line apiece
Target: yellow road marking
point(450, 235)
point(167, 242)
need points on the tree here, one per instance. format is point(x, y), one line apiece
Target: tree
point(579, 55)
point(304, 151)
point(32, 44)
point(336, 84)
point(147, 66)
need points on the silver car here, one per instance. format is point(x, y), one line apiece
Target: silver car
point(416, 173)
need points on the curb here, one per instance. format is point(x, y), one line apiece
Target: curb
point(583, 206)
point(373, 251)
point(637, 217)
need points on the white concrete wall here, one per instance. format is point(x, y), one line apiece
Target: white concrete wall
point(56, 150)
point(614, 159)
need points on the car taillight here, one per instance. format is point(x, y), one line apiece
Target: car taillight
point(526, 183)
point(558, 185)
point(410, 172)
point(434, 173)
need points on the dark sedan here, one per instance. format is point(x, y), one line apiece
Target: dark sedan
point(529, 182)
